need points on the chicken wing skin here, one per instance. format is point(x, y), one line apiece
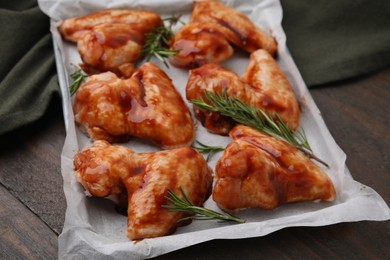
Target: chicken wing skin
point(110, 40)
point(222, 25)
point(147, 106)
point(240, 30)
point(259, 171)
point(199, 44)
point(110, 47)
point(74, 29)
point(104, 169)
point(263, 85)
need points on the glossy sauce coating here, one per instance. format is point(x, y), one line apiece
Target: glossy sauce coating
point(104, 169)
point(110, 47)
point(212, 28)
point(74, 29)
point(259, 171)
point(239, 29)
point(199, 44)
point(147, 106)
point(110, 40)
point(263, 85)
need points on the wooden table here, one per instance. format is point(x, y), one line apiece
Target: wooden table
point(32, 203)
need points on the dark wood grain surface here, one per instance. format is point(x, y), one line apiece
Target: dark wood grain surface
point(356, 111)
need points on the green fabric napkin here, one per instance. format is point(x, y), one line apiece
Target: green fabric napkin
point(27, 67)
point(329, 41)
point(335, 40)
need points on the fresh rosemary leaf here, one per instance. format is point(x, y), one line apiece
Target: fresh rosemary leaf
point(245, 114)
point(78, 78)
point(199, 213)
point(210, 150)
point(158, 40)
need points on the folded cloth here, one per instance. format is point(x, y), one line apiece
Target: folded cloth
point(335, 40)
point(27, 67)
point(329, 41)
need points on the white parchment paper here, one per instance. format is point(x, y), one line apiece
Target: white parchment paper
point(94, 230)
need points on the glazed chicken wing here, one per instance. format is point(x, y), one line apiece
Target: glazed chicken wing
point(259, 171)
point(104, 169)
point(110, 40)
point(214, 22)
point(239, 29)
point(110, 47)
point(199, 44)
point(74, 29)
point(147, 106)
point(263, 86)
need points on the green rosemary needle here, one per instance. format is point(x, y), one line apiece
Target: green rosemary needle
point(199, 213)
point(78, 78)
point(158, 40)
point(210, 150)
point(245, 114)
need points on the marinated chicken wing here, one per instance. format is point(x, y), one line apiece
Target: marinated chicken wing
point(74, 29)
point(199, 44)
point(263, 86)
point(110, 40)
point(213, 22)
point(110, 47)
point(104, 169)
point(147, 106)
point(257, 170)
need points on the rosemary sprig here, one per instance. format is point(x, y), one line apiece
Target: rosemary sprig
point(245, 114)
point(158, 40)
point(199, 213)
point(210, 150)
point(78, 78)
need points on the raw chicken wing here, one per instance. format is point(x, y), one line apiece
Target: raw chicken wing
point(214, 22)
point(259, 171)
point(199, 44)
point(239, 29)
point(263, 86)
point(104, 169)
point(110, 40)
point(74, 29)
point(147, 106)
point(110, 47)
